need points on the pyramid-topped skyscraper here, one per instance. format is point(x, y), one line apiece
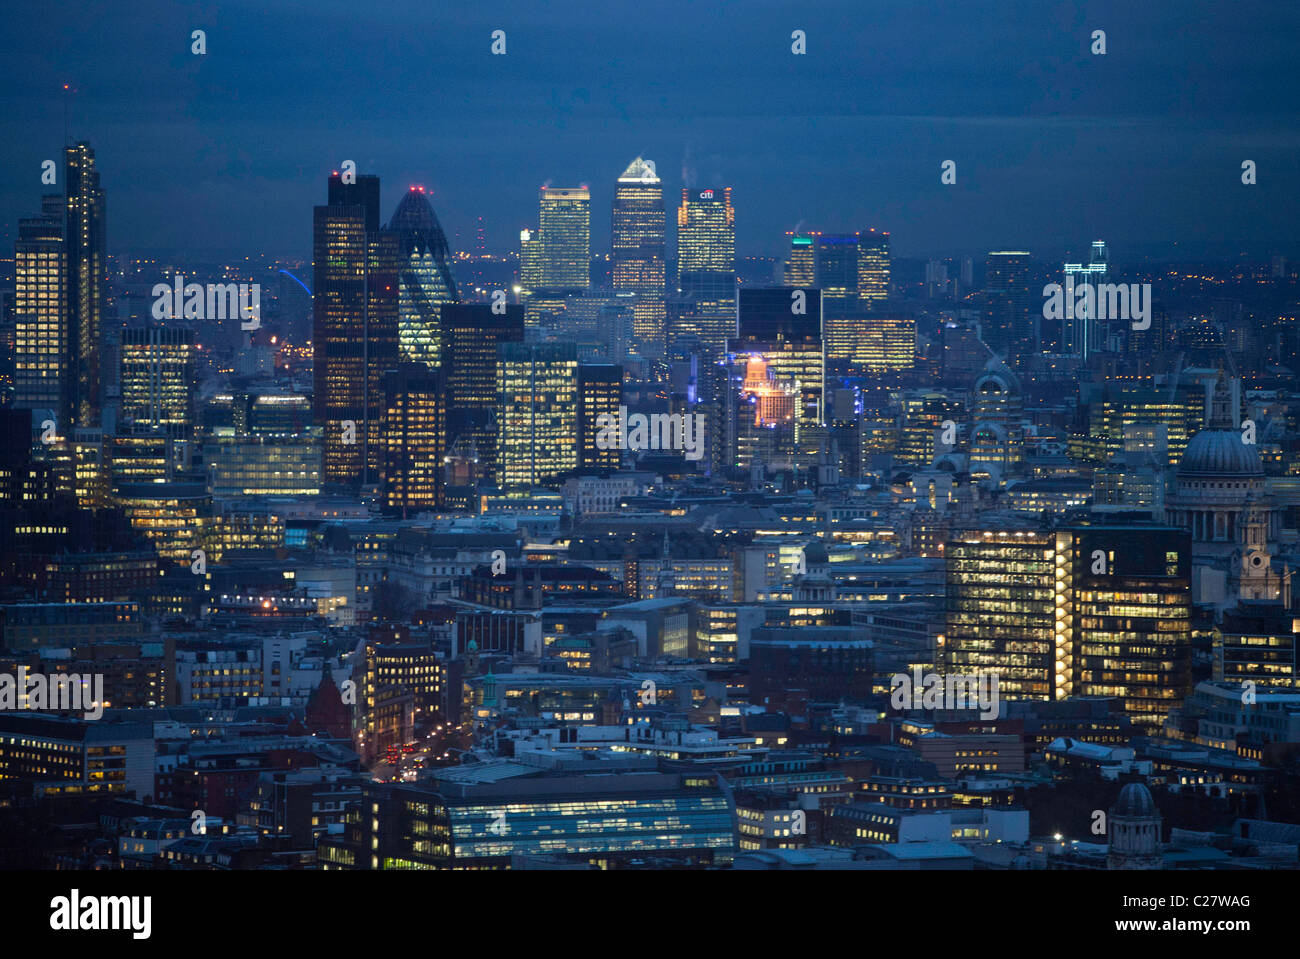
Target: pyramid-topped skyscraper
point(640, 252)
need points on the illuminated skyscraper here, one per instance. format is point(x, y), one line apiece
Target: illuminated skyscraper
point(471, 334)
point(1132, 618)
point(702, 315)
point(997, 431)
point(924, 413)
point(355, 326)
point(530, 261)
point(889, 343)
point(1003, 591)
point(783, 325)
point(837, 269)
point(639, 251)
point(1008, 326)
point(873, 266)
point(564, 228)
point(600, 390)
point(425, 282)
point(537, 416)
point(158, 378)
point(706, 232)
point(801, 262)
point(1078, 611)
point(87, 259)
point(41, 311)
point(1075, 334)
point(415, 439)
point(853, 274)
point(864, 340)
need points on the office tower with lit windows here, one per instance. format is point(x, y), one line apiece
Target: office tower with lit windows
point(141, 454)
point(1075, 611)
point(272, 412)
point(873, 267)
point(702, 315)
point(889, 344)
point(706, 232)
point(530, 261)
point(837, 269)
point(355, 326)
point(863, 340)
point(537, 415)
point(41, 311)
point(555, 259)
point(415, 439)
point(91, 468)
point(783, 326)
point(1131, 611)
point(471, 334)
point(639, 252)
point(800, 267)
point(171, 515)
point(997, 429)
point(682, 819)
point(600, 391)
point(564, 235)
point(1008, 591)
point(1009, 311)
point(1257, 643)
point(1118, 413)
point(923, 415)
point(240, 464)
point(87, 264)
point(425, 282)
point(158, 378)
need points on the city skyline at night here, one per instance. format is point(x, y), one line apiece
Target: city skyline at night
point(708, 438)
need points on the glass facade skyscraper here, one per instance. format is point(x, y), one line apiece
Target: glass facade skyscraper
point(415, 438)
point(538, 414)
point(1078, 611)
point(471, 334)
point(355, 326)
point(86, 239)
point(873, 266)
point(425, 282)
point(600, 390)
point(1003, 587)
point(1008, 320)
point(703, 313)
point(601, 820)
point(800, 268)
point(706, 232)
point(1079, 335)
point(158, 378)
point(837, 269)
point(639, 252)
point(41, 315)
point(1132, 618)
point(783, 326)
point(564, 228)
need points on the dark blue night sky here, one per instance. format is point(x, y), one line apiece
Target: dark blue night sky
point(1054, 146)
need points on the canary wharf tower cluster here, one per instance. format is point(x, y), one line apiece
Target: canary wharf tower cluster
point(627, 526)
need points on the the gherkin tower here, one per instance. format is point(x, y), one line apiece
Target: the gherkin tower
point(425, 280)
